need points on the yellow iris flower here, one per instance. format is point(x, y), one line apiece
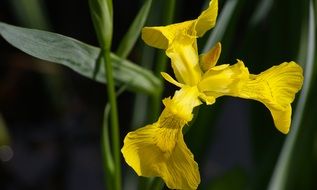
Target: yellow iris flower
point(159, 149)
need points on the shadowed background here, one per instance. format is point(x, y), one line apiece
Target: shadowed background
point(51, 117)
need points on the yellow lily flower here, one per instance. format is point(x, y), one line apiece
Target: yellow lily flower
point(159, 149)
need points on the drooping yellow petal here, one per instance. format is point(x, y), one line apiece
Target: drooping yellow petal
point(184, 60)
point(224, 80)
point(209, 59)
point(281, 117)
point(162, 36)
point(276, 89)
point(159, 149)
point(176, 167)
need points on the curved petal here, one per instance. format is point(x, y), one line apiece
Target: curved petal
point(159, 149)
point(162, 36)
point(184, 60)
point(177, 168)
point(224, 80)
point(170, 79)
point(209, 59)
point(207, 19)
point(276, 89)
point(209, 100)
point(281, 117)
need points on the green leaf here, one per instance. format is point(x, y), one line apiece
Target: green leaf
point(261, 11)
point(133, 33)
point(31, 13)
point(102, 17)
point(78, 56)
point(280, 176)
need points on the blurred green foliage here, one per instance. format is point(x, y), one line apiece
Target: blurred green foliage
point(261, 33)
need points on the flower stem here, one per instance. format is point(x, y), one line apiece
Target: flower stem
point(115, 132)
point(102, 17)
point(106, 150)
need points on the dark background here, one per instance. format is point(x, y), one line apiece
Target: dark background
point(53, 116)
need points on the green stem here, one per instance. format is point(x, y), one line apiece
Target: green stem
point(106, 150)
point(102, 17)
point(113, 119)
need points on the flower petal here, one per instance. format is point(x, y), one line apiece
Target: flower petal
point(170, 79)
point(177, 168)
point(209, 100)
point(182, 104)
point(224, 80)
point(281, 118)
point(276, 89)
point(207, 19)
point(159, 149)
point(184, 60)
point(209, 59)
point(162, 36)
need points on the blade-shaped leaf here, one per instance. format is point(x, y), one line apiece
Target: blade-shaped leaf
point(102, 17)
point(78, 56)
point(281, 172)
point(133, 33)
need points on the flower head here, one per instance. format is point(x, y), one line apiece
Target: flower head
point(159, 149)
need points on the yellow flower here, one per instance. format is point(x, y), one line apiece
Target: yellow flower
point(159, 149)
point(275, 87)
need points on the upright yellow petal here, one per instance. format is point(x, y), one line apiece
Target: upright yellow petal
point(276, 89)
point(162, 36)
point(209, 59)
point(207, 19)
point(159, 149)
point(184, 60)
